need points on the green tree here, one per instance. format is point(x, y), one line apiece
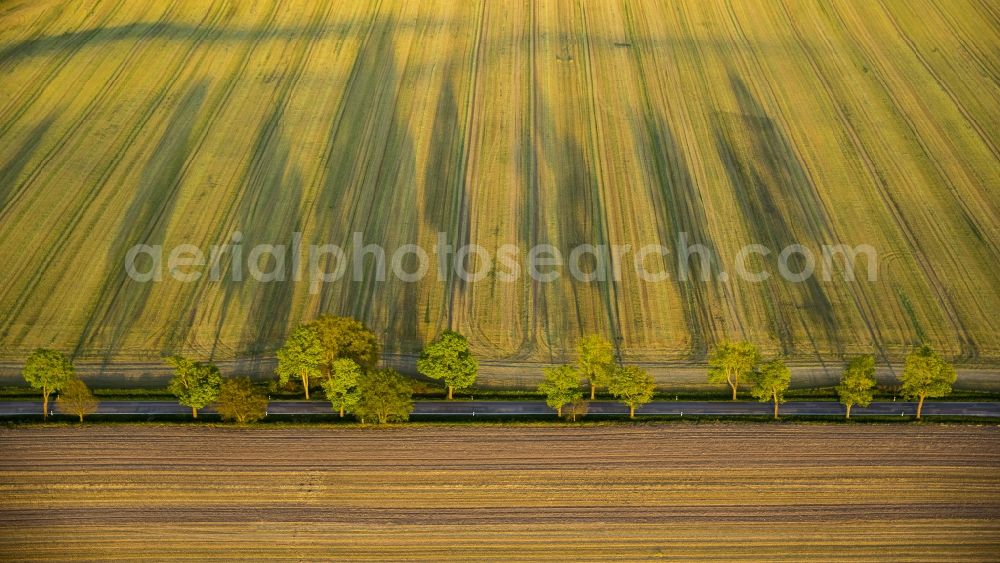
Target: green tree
point(577, 408)
point(857, 383)
point(561, 387)
point(596, 361)
point(344, 337)
point(925, 375)
point(770, 381)
point(449, 358)
point(195, 384)
point(342, 385)
point(47, 371)
point(241, 401)
point(385, 396)
point(731, 361)
point(75, 398)
point(633, 386)
point(301, 356)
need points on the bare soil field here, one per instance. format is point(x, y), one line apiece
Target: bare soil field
point(749, 492)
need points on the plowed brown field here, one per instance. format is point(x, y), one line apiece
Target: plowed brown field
point(749, 492)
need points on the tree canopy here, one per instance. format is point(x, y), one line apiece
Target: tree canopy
point(301, 357)
point(449, 358)
point(770, 381)
point(926, 375)
point(385, 396)
point(561, 387)
point(596, 360)
point(342, 385)
point(75, 398)
point(857, 383)
point(48, 371)
point(633, 386)
point(344, 337)
point(730, 361)
point(241, 401)
point(576, 409)
point(195, 384)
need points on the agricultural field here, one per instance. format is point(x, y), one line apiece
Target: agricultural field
point(562, 122)
point(730, 491)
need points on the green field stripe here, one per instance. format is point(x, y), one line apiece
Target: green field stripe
point(46, 164)
point(599, 206)
point(535, 299)
point(31, 91)
point(11, 171)
point(95, 189)
point(892, 205)
point(971, 218)
point(943, 84)
point(965, 337)
point(117, 278)
point(260, 186)
point(460, 211)
point(678, 202)
point(78, 212)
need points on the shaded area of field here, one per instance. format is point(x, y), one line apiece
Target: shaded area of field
point(683, 491)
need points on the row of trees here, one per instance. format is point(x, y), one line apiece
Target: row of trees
point(596, 365)
point(50, 371)
point(198, 385)
point(925, 375)
point(340, 355)
point(194, 384)
point(635, 387)
point(732, 362)
point(336, 353)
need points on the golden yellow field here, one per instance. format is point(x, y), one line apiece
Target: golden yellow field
point(564, 122)
point(683, 492)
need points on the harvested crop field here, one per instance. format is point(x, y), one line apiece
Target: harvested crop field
point(748, 492)
point(562, 122)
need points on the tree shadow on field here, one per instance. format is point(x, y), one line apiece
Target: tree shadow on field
point(121, 301)
point(10, 173)
point(680, 209)
point(578, 214)
point(781, 208)
point(369, 189)
point(222, 34)
point(445, 201)
point(268, 213)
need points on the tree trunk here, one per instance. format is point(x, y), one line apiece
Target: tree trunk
point(849, 411)
point(81, 416)
point(559, 411)
point(45, 405)
point(734, 386)
point(194, 412)
point(450, 390)
point(776, 408)
point(920, 406)
point(341, 411)
point(305, 385)
point(631, 411)
point(593, 390)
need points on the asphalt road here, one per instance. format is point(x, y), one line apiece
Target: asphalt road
point(527, 408)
